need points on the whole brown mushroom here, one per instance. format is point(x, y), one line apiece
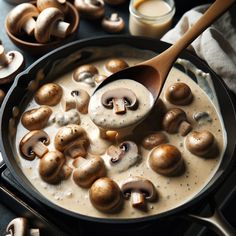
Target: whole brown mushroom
point(36, 118)
point(60, 4)
point(52, 167)
point(49, 94)
point(154, 139)
point(166, 159)
point(175, 120)
point(105, 194)
point(138, 190)
point(88, 170)
point(72, 140)
point(113, 24)
point(202, 143)
point(116, 64)
point(179, 94)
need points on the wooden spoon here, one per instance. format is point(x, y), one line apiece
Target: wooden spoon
point(153, 73)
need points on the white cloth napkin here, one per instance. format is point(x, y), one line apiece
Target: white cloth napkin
point(216, 45)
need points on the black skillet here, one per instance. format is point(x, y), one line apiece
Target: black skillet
point(19, 95)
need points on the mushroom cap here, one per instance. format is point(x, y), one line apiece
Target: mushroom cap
point(69, 136)
point(45, 23)
point(88, 68)
point(140, 185)
point(124, 156)
point(153, 140)
point(172, 120)
point(29, 140)
point(50, 166)
point(49, 94)
point(201, 143)
point(36, 118)
point(19, 15)
point(179, 94)
point(165, 159)
point(87, 171)
point(116, 64)
point(60, 4)
point(90, 9)
point(82, 100)
point(113, 24)
point(105, 194)
point(18, 227)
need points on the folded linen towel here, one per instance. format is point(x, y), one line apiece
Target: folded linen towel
point(216, 45)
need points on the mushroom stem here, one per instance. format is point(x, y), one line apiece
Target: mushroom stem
point(137, 199)
point(4, 60)
point(119, 105)
point(40, 149)
point(29, 26)
point(60, 29)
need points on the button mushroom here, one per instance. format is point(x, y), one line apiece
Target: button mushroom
point(124, 156)
point(21, 18)
point(115, 65)
point(138, 190)
point(52, 167)
point(82, 100)
point(90, 9)
point(88, 170)
point(105, 194)
point(36, 118)
point(175, 120)
point(202, 143)
point(119, 99)
point(49, 94)
point(153, 140)
point(50, 23)
point(179, 94)
point(72, 140)
point(60, 4)
point(20, 227)
point(34, 144)
point(113, 24)
point(166, 159)
point(2, 95)
point(86, 74)
point(11, 64)
point(66, 118)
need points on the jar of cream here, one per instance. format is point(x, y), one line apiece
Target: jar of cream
point(151, 18)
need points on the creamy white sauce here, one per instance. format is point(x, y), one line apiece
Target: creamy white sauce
point(172, 191)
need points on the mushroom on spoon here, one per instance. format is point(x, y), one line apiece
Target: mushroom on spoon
point(152, 74)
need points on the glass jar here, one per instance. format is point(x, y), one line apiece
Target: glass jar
point(151, 18)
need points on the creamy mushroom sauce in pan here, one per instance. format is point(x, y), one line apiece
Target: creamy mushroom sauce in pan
point(171, 191)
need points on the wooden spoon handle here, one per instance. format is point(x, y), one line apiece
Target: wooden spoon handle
point(165, 60)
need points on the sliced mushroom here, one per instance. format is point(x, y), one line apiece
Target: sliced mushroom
point(85, 74)
point(59, 4)
point(113, 24)
point(90, 9)
point(82, 100)
point(36, 118)
point(34, 144)
point(2, 95)
point(105, 194)
point(175, 120)
point(139, 190)
point(50, 23)
point(202, 143)
point(153, 140)
point(49, 94)
point(115, 65)
point(11, 64)
point(72, 140)
point(166, 159)
point(66, 118)
point(88, 170)
point(52, 167)
point(20, 227)
point(179, 94)
point(119, 99)
point(21, 18)
point(124, 156)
